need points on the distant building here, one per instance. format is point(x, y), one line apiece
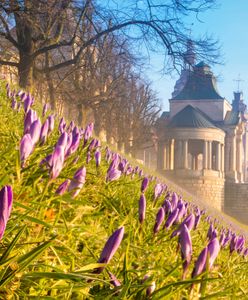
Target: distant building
point(202, 140)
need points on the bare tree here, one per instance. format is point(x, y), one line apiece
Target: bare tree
point(35, 28)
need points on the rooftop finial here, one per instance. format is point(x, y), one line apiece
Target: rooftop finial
point(238, 80)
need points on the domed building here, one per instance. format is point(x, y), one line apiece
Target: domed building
point(202, 140)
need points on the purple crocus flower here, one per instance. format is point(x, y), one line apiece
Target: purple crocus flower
point(62, 141)
point(6, 199)
point(110, 248)
point(57, 161)
point(92, 145)
point(158, 190)
point(34, 131)
point(62, 125)
point(210, 231)
point(113, 174)
point(13, 103)
point(74, 144)
point(159, 220)
point(189, 221)
point(63, 187)
point(240, 244)
point(144, 184)
point(114, 280)
point(151, 289)
point(174, 200)
point(200, 263)
point(197, 220)
point(171, 218)
point(26, 147)
point(186, 248)
point(51, 121)
point(167, 206)
point(142, 208)
point(77, 182)
point(27, 103)
point(213, 249)
point(98, 158)
point(44, 131)
point(233, 243)
point(88, 157)
point(44, 110)
point(30, 117)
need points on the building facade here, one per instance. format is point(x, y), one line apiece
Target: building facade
point(202, 140)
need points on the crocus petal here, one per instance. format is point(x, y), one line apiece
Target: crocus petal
point(6, 199)
point(142, 208)
point(26, 147)
point(111, 247)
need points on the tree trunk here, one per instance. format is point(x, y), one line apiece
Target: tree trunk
point(25, 71)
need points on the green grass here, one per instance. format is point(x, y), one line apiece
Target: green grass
point(52, 243)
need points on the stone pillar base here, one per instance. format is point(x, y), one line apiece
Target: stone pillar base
point(231, 176)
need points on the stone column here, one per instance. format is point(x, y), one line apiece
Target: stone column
point(196, 162)
point(172, 149)
point(233, 154)
point(210, 155)
point(205, 155)
point(178, 160)
point(164, 157)
point(239, 158)
point(218, 157)
point(185, 154)
point(222, 158)
point(168, 150)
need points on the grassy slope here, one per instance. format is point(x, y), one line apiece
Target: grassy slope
point(78, 229)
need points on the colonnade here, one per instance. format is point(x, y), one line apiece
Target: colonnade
point(174, 155)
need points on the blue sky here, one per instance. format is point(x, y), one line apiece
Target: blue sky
point(229, 24)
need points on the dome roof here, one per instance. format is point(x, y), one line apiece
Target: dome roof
point(200, 85)
point(191, 117)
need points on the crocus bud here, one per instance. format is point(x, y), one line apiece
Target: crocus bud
point(174, 200)
point(88, 157)
point(213, 249)
point(26, 147)
point(62, 125)
point(6, 199)
point(171, 218)
point(57, 162)
point(114, 280)
point(142, 208)
point(159, 220)
point(27, 103)
point(34, 131)
point(197, 220)
point(158, 190)
point(98, 158)
point(13, 103)
point(144, 184)
point(200, 263)
point(50, 123)
point(186, 248)
point(63, 187)
point(74, 144)
point(110, 248)
point(151, 289)
point(44, 132)
point(44, 110)
point(77, 182)
point(113, 174)
point(62, 141)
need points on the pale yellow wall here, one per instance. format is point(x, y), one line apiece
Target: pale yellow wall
point(215, 109)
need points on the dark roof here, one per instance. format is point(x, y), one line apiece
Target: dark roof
point(200, 85)
point(191, 117)
point(231, 118)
